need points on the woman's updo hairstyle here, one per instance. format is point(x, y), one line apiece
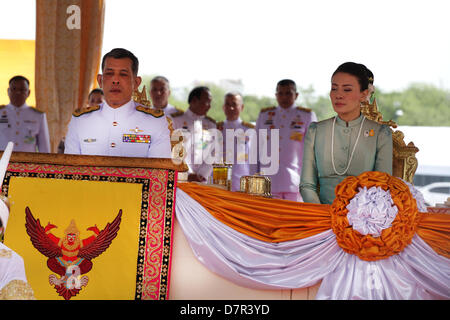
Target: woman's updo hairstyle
point(355, 69)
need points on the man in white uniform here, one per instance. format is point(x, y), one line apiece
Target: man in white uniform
point(195, 122)
point(13, 281)
point(159, 95)
point(119, 126)
point(25, 126)
point(292, 122)
point(237, 152)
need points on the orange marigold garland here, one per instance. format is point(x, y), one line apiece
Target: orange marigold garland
point(392, 240)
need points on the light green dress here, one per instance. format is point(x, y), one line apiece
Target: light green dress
point(373, 153)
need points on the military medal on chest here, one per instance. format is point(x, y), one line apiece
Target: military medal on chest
point(136, 138)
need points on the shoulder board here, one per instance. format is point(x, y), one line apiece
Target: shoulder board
point(177, 113)
point(80, 112)
point(210, 119)
point(248, 124)
point(220, 125)
point(304, 109)
point(268, 109)
point(37, 110)
point(179, 110)
point(157, 113)
point(2, 106)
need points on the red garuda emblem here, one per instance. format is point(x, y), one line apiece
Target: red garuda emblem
point(70, 257)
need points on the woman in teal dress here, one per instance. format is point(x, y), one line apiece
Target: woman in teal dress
point(347, 144)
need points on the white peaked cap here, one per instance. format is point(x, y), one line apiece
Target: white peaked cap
point(4, 212)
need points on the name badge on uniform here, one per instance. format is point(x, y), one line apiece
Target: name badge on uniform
point(89, 140)
point(4, 118)
point(136, 138)
point(297, 136)
point(29, 121)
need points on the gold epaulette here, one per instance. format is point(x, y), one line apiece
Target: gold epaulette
point(157, 113)
point(177, 113)
point(248, 124)
point(210, 119)
point(80, 112)
point(220, 125)
point(268, 109)
point(37, 110)
point(304, 109)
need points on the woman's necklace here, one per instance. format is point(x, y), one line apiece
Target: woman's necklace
point(353, 152)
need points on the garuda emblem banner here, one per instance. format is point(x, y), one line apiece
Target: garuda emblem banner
point(88, 232)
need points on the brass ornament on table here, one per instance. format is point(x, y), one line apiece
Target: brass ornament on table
point(404, 161)
point(222, 175)
point(257, 185)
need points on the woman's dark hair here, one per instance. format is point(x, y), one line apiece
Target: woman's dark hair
point(355, 69)
point(370, 75)
point(120, 53)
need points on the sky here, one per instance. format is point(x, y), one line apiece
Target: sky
point(261, 42)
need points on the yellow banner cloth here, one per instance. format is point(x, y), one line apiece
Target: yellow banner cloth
point(120, 218)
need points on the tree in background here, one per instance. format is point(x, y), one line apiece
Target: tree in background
point(418, 105)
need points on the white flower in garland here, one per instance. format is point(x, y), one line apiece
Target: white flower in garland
point(371, 211)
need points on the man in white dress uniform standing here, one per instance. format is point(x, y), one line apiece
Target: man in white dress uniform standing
point(24, 125)
point(292, 122)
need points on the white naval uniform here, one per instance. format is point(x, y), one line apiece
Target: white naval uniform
point(184, 121)
point(241, 143)
point(13, 281)
point(124, 132)
point(292, 123)
point(26, 127)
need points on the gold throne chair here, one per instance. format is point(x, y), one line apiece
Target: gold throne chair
point(141, 97)
point(404, 161)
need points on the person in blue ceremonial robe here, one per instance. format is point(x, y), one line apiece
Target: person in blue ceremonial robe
point(347, 144)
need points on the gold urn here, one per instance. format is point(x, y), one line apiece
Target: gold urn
point(256, 185)
point(222, 175)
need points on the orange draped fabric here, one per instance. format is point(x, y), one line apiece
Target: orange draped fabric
point(270, 220)
point(434, 229)
point(274, 220)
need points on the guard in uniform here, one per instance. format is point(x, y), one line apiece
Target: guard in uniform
point(24, 125)
point(159, 95)
point(119, 126)
point(13, 280)
point(292, 122)
point(237, 152)
point(194, 122)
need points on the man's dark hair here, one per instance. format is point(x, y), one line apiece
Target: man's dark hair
point(197, 93)
point(120, 53)
point(160, 78)
point(96, 90)
point(19, 78)
point(287, 82)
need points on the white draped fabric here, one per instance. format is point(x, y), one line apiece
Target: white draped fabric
point(416, 273)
